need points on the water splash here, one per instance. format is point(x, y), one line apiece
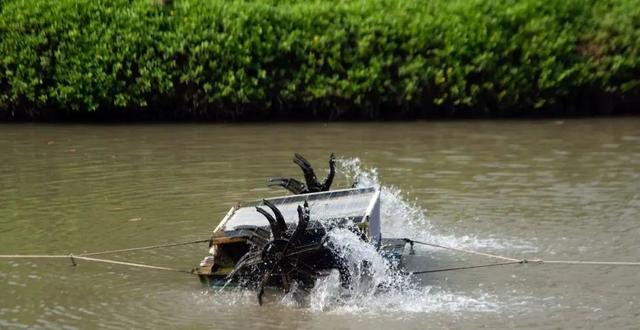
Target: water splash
point(370, 274)
point(376, 287)
point(403, 218)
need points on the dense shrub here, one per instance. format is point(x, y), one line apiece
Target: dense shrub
point(324, 59)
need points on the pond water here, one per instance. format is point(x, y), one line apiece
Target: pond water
point(551, 189)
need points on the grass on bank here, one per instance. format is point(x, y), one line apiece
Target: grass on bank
point(229, 59)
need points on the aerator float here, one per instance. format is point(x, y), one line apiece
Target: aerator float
point(292, 245)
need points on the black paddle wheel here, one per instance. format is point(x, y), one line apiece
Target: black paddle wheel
point(292, 255)
point(311, 184)
point(294, 248)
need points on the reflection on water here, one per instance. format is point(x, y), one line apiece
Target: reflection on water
point(555, 189)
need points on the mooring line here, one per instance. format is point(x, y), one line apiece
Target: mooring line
point(24, 256)
point(467, 267)
point(533, 261)
point(145, 247)
point(131, 264)
point(73, 259)
point(410, 241)
point(585, 262)
point(86, 256)
point(512, 261)
point(33, 256)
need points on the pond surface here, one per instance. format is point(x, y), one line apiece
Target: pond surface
point(567, 190)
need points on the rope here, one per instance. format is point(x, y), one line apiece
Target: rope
point(145, 247)
point(23, 256)
point(468, 267)
point(131, 264)
point(512, 261)
point(85, 256)
point(586, 262)
point(410, 241)
point(32, 256)
point(536, 261)
point(80, 257)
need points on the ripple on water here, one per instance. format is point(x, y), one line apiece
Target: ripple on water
point(532, 189)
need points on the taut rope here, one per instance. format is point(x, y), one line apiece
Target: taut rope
point(86, 256)
point(410, 241)
point(510, 260)
point(467, 267)
point(146, 247)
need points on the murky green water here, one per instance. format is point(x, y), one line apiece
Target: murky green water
point(550, 189)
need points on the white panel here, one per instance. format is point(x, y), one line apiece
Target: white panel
point(373, 216)
point(339, 204)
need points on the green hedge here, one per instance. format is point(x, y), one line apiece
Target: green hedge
point(322, 59)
